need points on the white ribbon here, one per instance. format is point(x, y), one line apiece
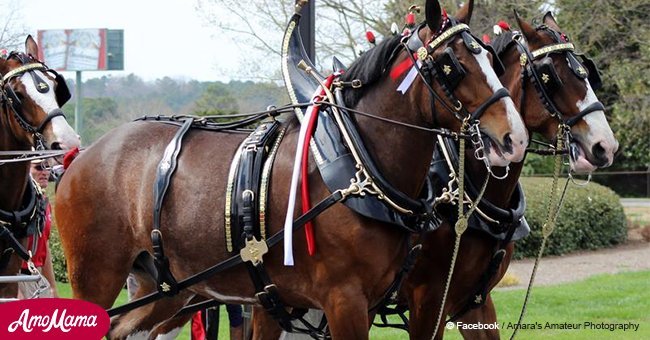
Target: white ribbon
point(288, 221)
point(409, 79)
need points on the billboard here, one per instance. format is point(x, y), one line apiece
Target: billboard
point(88, 49)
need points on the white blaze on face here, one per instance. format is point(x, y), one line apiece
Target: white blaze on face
point(598, 133)
point(518, 132)
point(61, 131)
point(599, 129)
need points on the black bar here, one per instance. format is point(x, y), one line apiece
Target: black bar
point(308, 29)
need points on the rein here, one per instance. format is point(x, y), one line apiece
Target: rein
point(548, 226)
point(461, 224)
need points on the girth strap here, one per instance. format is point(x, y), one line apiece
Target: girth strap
point(330, 200)
point(166, 282)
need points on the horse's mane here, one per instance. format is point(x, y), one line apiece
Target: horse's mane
point(369, 68)
point(502, 41)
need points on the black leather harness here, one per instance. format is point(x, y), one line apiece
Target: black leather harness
point(19, 224)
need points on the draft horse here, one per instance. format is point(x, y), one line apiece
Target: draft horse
point(551, 87)
point(105, 222)
point(30, 117)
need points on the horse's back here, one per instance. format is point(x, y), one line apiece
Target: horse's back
point(107, 192)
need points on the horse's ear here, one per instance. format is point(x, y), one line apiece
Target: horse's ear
point(31, 47)
point(528, 30)
point(433, 14)
point(549, 20)
point(464, 14)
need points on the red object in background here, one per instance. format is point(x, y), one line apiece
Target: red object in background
point(504, 25)
point(410, 19)
point(53, 319)
point(371, 37)
point(197, 330)
point(486, 38)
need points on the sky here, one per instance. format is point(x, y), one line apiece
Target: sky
point(161, 38)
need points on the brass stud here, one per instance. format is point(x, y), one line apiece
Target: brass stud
point(523, 59)
point(422, 53)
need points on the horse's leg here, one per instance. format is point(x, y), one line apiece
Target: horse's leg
point(140, 322)
point(170, 328)
point(346, 310)
point(264, 326)
point(99, 286)
point(485, 314)
point(425, 313)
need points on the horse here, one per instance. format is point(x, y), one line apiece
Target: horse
point(30, 117)
point(105, 222)
point(483, 258)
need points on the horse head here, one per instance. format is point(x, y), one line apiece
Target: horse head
point(32, 96)
point(469, 69)
point(31, 117)
point(565, 85)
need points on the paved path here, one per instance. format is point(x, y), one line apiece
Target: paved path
point(581, 265)
point(636, 202)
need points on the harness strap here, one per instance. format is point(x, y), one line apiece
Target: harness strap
point(14, 244)
point(166, 282)
point(330, 200)
point(479, 297)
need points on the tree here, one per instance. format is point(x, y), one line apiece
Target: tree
point(216, 99)
point(340, 25)
point(12, 32)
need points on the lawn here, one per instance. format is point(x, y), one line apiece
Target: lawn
point(619, 298)
point(608, 299)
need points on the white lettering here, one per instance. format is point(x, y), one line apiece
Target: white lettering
point(63, 322)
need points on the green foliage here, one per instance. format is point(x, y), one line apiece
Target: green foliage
point(536, 165)
point(216, 99)
point(591, 217)
point(58, 258)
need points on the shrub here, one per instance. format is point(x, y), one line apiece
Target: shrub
point(58, 258)
point(591, 217)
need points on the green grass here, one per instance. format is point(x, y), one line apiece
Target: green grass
point(65, 291)
point(618, 298)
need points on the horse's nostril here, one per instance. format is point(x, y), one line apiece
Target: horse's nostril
point(599, 153)
point(56, 146)
point(507, 143)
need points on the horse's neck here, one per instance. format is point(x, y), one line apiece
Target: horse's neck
point(402, 154)
point(13, 176)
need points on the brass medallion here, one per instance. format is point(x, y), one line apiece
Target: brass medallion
point(253, 251)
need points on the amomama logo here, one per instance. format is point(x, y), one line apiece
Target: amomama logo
point(52, 319)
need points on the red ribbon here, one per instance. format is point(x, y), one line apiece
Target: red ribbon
point(304, 178)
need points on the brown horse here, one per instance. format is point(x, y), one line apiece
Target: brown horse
point(105, 221)
point(30, 116)
point(594, 146)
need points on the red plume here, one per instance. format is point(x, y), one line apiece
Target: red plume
point(371, 37)
point(69, 157)
point(410, 19)
point(504, 25)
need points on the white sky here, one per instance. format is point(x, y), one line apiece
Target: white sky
point(161, 38)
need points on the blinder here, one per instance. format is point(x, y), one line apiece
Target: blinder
point(592, 71)
point(61, 90)
point(548, 75)
point(450, 67)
